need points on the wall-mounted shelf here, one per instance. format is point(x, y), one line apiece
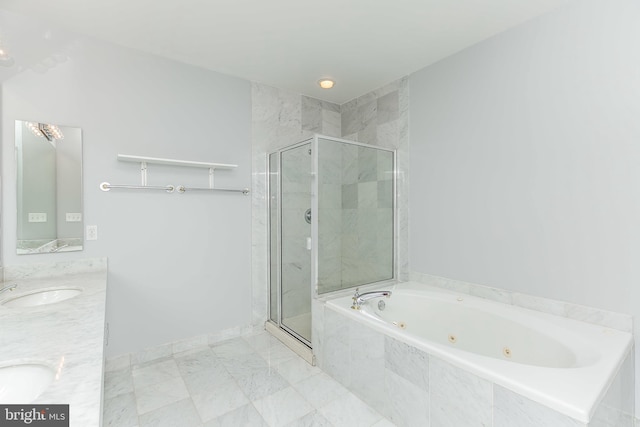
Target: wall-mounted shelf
point(173, 162)
point(144, 161)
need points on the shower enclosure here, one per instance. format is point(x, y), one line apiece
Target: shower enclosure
point(331, 225)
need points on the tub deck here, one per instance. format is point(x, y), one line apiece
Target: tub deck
point(574, 390)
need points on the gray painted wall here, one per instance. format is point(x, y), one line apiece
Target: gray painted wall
point(178, 263)
point(524, 160)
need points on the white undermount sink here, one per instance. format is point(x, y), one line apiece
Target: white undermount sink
point(23, 383)
point(46, 296)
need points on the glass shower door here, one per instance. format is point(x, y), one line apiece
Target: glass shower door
point(331, 222)
point(295, 241)
point(274, 237)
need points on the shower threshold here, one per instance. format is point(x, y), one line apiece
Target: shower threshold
point(300, 325)
point(293, 343)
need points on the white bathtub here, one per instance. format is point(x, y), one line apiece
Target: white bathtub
point(561, 363)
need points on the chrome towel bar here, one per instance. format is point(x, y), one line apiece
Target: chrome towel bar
point(105, 186)
point(182, 189)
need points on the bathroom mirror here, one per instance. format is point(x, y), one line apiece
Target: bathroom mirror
point(49, 188)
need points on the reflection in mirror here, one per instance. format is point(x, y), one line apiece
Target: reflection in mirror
point(49, 188)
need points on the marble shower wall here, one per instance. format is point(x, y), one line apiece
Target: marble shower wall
point(279, 118)
point(381, 118)
point(330, 222)
point(355, 211)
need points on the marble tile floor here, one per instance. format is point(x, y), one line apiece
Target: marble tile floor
point(249, 381)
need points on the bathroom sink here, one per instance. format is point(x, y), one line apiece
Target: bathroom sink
point(24, 383)
point(43, 297)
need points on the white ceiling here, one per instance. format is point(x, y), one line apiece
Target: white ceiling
point(290, 44)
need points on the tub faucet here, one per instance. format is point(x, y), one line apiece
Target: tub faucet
point(8, 288)
point(359, 298)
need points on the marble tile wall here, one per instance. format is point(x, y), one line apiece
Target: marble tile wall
point(317, 329)
point(412, 388)
point(279, 118)
point(331, 166)
point(381, 118)
point(620, 321)
point(617, 406)
point(356, 219)
point(512, 409)
point(457, 397)
point(385, 373)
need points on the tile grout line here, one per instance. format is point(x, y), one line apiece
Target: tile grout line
point(256, 350)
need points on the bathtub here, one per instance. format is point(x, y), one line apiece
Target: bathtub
point(563, 364)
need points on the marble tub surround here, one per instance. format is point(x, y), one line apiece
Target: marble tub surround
point(68, 335)
point(620, 321)
point(414, 388)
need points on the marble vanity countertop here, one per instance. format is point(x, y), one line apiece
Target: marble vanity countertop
point(67, 335)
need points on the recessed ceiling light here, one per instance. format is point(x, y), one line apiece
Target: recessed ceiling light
point(326, 83)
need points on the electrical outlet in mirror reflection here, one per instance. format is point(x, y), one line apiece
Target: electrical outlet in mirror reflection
point(37, 217)
point(74, 217)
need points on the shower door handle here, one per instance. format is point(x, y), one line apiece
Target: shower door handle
point(308, 243)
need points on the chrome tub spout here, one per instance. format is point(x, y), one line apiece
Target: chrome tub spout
point(359, 299)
